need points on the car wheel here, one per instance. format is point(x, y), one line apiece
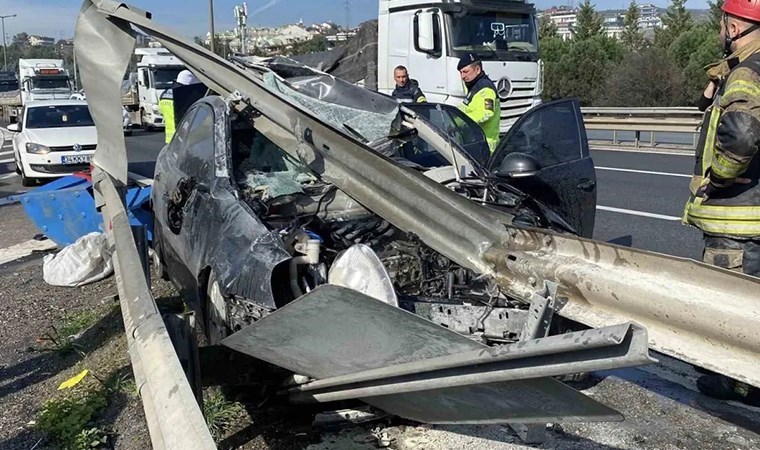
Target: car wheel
point(26, 181)
point(216, 312)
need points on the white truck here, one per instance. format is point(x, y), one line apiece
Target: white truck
point(43, 79)
point(38, 79)
point(429, 37)
point(157, 70)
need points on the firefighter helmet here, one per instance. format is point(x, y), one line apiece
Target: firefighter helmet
point(745, 9)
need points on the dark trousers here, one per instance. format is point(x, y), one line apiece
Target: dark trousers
point(733, 254)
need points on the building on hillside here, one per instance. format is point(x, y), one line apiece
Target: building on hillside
point(613, 26)
point(649, 17)
point(41, 41)
point(564, 18)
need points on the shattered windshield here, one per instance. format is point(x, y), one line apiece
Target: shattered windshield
point(494, 36)
point(364, 125)
point(164, 78)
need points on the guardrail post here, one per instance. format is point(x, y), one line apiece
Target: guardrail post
point(614, 137)
point(651, 138)
point(140, 233)
point(694, 141)
point(638, 138)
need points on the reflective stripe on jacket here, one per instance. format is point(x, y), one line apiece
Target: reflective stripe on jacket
point(166, 107)
point(482, 106)
point(727, 150)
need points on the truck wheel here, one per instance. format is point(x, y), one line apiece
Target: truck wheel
point(216, 312)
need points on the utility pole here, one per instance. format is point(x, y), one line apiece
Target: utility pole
point(211, 19)
point(5, 45)
point(241, 14)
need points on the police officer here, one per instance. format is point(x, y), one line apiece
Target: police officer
point(481, 103)
point(407, 90)
point(166, 101)
point(725, 189)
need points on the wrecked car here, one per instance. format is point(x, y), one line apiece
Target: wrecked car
point(241, 246)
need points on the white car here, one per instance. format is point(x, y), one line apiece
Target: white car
point(53, 138)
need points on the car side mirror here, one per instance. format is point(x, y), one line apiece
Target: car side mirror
point(14, 127)
point(427, 33)
point(518, 165)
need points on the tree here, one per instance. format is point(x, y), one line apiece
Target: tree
point(589, 22)
point(579, 68)
point(632, 38)
point(647, 78)
point(716, 14)
point(676, 21)
point(546, 28)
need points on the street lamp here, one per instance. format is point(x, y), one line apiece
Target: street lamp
point(5, 46)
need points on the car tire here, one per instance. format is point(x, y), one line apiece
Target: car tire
point(26, 181)
point(215, 313)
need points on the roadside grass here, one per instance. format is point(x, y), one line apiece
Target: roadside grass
point(220, 413)
point(61, 338)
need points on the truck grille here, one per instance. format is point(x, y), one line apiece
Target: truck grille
point(520, 101)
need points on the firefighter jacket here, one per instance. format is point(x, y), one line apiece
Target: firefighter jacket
point(482, 106)
point(410, 92)
point(166, 107)
point(727, 151)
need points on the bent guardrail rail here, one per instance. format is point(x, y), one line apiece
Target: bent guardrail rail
point(171, 410)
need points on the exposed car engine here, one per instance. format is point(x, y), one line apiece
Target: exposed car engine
point(318, 223)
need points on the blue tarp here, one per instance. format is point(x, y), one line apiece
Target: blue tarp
point(64, 209)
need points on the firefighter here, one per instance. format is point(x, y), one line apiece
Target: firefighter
point(166, 101)
point(725, 189)
point(407, 90)
point(481, 103)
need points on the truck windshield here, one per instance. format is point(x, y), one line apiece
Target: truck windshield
point(8, 85)
point(494, 36)
point(164, 78)
point(59, 116)
point(50, 83)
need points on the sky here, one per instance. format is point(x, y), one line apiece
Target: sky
point(56, 18)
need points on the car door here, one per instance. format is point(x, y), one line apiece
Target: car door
point(184, 173)
point(555, 135)
point(453, 123)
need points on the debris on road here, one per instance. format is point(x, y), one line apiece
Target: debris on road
point(85, 261)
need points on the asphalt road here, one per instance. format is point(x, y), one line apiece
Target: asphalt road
point(640, 195)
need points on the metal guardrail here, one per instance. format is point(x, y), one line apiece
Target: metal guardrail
point(638, 120)
point(171, 410)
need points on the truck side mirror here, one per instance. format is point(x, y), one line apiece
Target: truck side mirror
point(427, 33)
point(143, 78)
point(14, 127)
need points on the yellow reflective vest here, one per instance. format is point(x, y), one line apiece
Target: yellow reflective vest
point(727, 150)
point(166, 107)
point(482, 106)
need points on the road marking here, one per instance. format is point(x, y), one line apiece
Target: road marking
point(6, 161)
point(9, 152)
point(647, 172)
point(673, 152)
point(637, 213)
point(8, 175)
point(23, 249)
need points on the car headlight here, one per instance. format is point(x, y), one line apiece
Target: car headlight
point(156, 110)
point(37, 149)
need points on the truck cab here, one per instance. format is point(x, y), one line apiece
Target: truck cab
point(43, 79)
point(156, 72)
point(429, 38)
